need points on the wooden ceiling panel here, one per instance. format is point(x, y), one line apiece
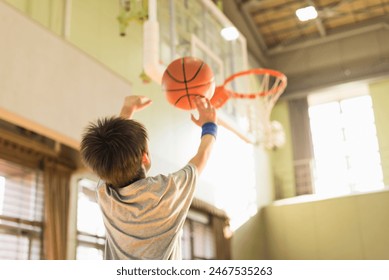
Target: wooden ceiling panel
point(277, 22)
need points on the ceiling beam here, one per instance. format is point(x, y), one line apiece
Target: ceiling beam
point(283, 6)
point(341, 32)
point(323, 13)
point(331, 37)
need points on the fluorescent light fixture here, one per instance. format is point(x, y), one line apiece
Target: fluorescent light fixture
point(306, 13)
point(230, 33)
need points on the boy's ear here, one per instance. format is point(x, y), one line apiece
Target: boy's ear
point(146, 159)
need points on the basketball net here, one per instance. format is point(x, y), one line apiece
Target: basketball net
point(267, 132)
point(259, 90)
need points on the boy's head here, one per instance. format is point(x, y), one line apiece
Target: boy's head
point(116, 149)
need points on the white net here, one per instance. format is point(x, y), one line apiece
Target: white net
point(254, 94)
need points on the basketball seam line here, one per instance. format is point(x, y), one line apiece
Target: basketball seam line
point(186, 84)
point(179, 89)
point(185, 81)
point(187, 95)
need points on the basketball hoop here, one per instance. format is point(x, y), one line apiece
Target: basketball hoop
point(272, 83)
point(255, 92)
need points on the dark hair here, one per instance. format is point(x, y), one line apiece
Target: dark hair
point(113, 147)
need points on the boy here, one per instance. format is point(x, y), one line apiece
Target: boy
point(143, 216)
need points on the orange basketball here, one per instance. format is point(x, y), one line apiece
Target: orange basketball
point(184, 79)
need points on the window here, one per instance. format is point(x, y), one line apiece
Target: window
point(21, 212)
point(90, 226)
point(198, 240)
point(345, 145)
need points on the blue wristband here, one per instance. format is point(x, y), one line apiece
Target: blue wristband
point(209, 128)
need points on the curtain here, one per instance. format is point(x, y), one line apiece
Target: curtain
point(220, 224)
point(302, 145)
point(57, 195)
point(223, 242)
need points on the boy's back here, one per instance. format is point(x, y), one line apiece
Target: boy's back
point(144, 220)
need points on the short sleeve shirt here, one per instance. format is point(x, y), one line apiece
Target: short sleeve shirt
point(144, 220)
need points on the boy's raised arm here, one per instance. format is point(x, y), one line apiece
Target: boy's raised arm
point(207, 121)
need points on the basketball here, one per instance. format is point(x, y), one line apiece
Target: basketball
point(184, 79)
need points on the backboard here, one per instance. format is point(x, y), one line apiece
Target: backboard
point(177, 28)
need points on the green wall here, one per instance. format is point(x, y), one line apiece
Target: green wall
point(346, 228)
point(379, 92)
point(49, 13)
point(95, 30)
point(250, 239)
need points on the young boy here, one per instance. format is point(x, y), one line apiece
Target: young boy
point(143, 216)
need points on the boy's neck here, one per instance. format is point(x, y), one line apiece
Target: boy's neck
point(140, 176)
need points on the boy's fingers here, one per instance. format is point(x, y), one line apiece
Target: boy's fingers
point(147, 102)
point(194, 119)
point(203, 102)
point(144, 100)
point(199, 102)
point(209, 105)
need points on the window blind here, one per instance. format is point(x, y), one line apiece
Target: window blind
point(21, 212)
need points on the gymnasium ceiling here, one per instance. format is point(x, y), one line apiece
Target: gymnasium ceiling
point(276, 24)
point(348, 41)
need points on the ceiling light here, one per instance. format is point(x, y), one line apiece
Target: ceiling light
point(306, 13)
point(230, 33)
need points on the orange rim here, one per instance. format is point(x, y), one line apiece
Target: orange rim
point(280, 87)
point(220, 97)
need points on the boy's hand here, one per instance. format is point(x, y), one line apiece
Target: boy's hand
point(207, 113)
point(132, 104)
